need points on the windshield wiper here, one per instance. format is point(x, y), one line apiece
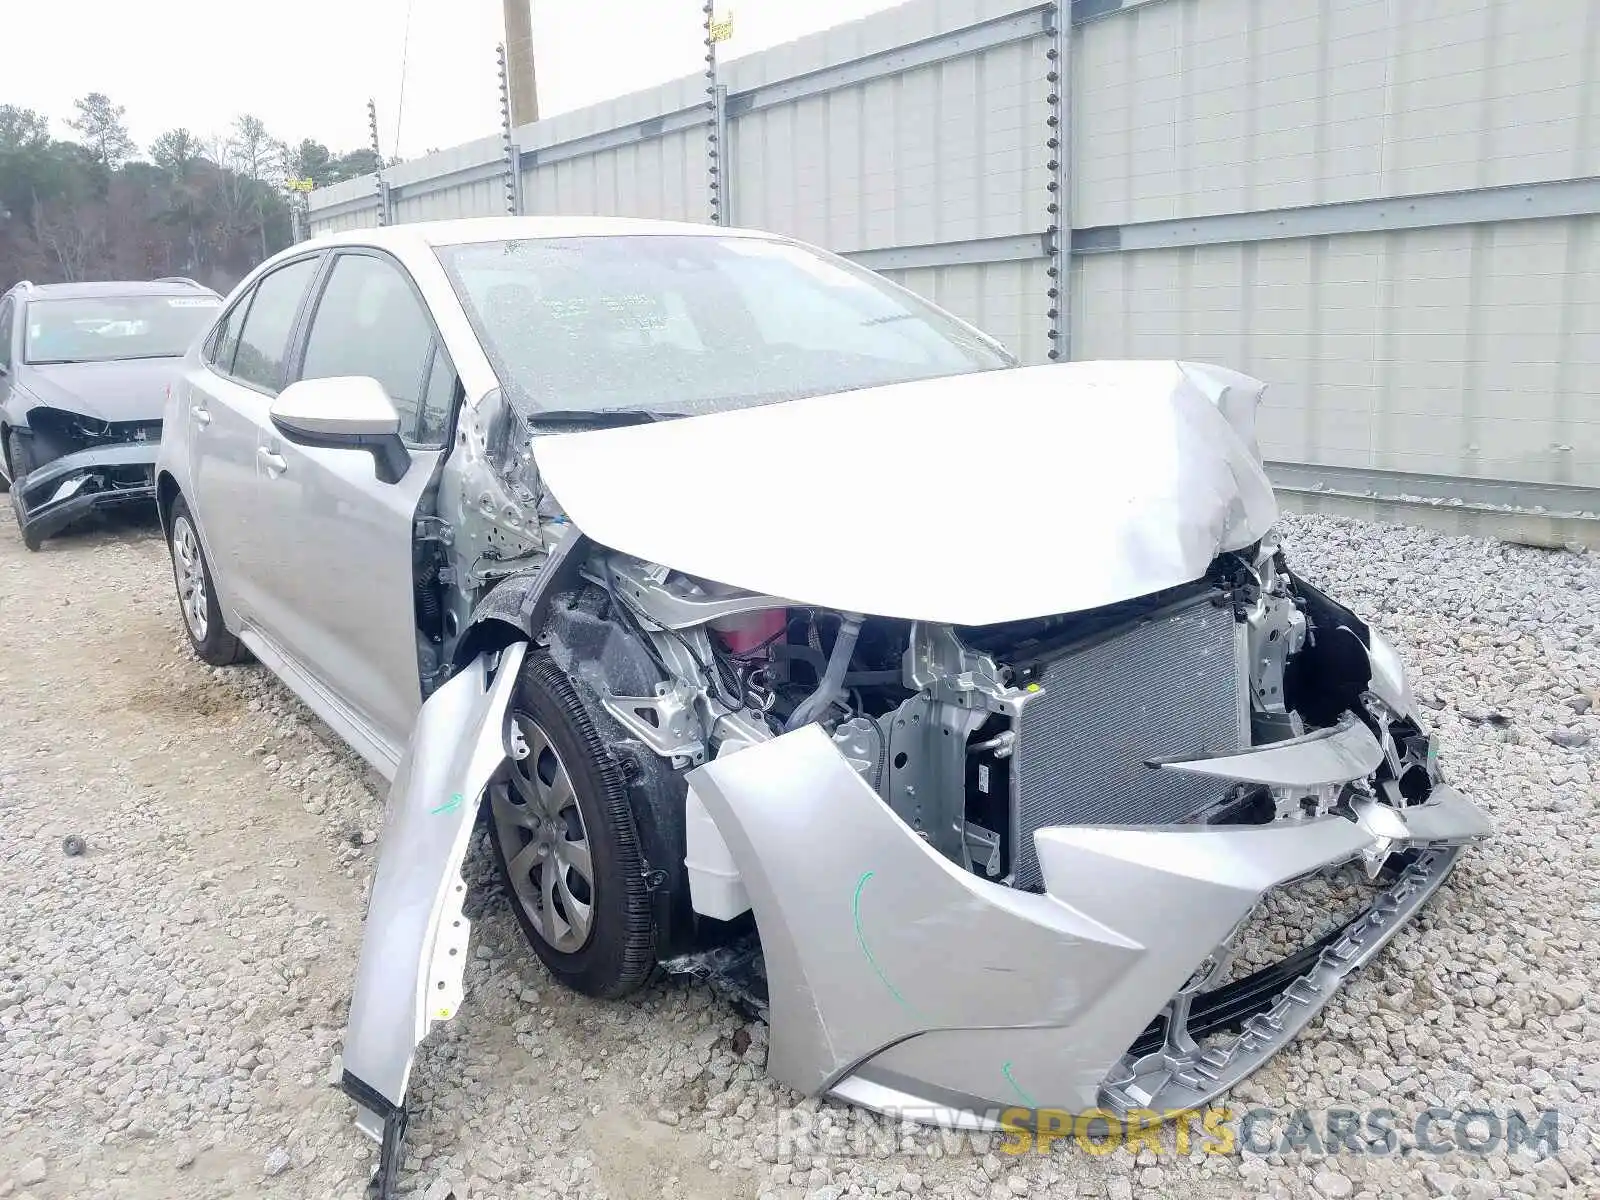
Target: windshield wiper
point(595, 416)
point(78, 362)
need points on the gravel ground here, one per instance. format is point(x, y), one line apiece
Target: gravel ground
point(171, 1000)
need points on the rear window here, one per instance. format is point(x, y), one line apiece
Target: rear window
point(110, 328)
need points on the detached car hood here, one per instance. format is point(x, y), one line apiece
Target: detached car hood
point(126, 390)
point(971, 500)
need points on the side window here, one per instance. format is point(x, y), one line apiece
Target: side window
point(438, 399)
point(8, 309)
point(369, 322)
point(264, 339)
point(224, 339)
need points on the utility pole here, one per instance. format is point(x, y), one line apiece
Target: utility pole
point(519, 62)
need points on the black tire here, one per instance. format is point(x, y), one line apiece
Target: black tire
point(22, 461)
point(617, 953)
point(210, 639)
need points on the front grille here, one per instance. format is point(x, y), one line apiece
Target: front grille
point(1172, 685)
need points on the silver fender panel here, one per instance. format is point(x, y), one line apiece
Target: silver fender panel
point(897, 979)
point(414, 949)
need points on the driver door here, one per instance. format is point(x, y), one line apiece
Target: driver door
point(343, 606)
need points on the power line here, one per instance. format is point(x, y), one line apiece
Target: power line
point(405, 56)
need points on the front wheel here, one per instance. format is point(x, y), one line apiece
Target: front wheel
point(565, 840)
point(197, 596)
point(22, 461)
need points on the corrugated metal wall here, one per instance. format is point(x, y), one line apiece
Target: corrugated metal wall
point(1388, 209)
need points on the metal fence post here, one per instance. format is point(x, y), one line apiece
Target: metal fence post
point(377, 164)
point(1059, 145)
point(513, 155)
point(718, 176)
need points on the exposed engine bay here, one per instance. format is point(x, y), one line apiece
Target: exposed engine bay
point(976, 736)
point(82, 463)
point(58, 432)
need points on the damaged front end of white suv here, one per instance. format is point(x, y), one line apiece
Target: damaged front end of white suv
point(966, 762)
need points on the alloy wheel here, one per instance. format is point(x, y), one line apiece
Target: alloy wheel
point(544, 842)
point(189, 567)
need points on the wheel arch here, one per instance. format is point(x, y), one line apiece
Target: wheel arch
point(167, 491)
point(552, 607)
point(518, 606)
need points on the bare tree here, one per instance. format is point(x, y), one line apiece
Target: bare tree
point(254, 152)
point(257, 156)
point(72, 232)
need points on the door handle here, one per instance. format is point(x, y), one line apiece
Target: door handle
point(275, 464)
point(202, 417)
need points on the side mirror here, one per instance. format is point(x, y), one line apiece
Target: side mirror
point(349, 412)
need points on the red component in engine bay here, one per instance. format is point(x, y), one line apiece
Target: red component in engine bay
point(749, 632)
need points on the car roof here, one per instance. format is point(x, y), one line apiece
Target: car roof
point(113, 288)
point(466, 230)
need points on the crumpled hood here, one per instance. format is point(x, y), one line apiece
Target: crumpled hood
point(971, 500)
point(129, 390)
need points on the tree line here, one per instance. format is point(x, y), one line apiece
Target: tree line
point(210, 208)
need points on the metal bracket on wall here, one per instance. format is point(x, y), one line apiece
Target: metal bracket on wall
point(1058, 229)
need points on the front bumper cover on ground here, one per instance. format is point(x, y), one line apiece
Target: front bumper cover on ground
point(900, 982)
point(54, 495)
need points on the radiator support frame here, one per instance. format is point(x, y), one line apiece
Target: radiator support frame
point(1082, 743)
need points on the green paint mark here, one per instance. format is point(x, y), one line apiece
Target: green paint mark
point(1005, 1069)
point(861, 940)
point(449, 805)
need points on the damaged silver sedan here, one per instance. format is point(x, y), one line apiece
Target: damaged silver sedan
point(964, 756)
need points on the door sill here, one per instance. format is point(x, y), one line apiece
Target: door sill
point(379, 754)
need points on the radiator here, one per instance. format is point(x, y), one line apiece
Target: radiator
point(1173, 685)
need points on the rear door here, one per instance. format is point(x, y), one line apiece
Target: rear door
point(225, 405)
point(344, 607)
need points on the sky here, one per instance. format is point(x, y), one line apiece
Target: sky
point(308, 67)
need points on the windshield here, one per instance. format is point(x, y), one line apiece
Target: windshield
point(107, 328)
point(681, 325)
